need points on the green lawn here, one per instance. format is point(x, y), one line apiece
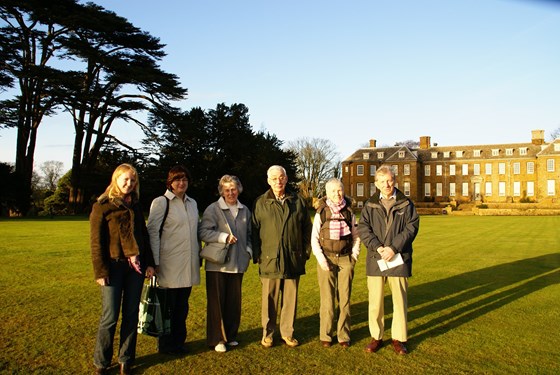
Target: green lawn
point(484, 298)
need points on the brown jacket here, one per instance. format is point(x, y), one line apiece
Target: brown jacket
point(117, 232)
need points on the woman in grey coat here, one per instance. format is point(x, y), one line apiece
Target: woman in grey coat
point(226, 221)
point(173, 229)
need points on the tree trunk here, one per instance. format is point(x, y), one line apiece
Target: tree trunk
point(25, 150)
point(76, 196)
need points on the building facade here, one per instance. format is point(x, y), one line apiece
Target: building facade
point(496, 173)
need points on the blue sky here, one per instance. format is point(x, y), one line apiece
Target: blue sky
point(459, 71)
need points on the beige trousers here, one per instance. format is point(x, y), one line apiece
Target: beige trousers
point(335, 286)
point(275, 291)
point(376, 311)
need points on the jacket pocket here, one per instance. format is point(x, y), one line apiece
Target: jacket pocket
point(297, 263)
point(269, 265)
point(244, 260)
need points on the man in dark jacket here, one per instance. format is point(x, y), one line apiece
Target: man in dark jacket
point(281, 246)
point(387, 227)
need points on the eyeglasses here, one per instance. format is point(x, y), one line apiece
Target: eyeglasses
point(185, 180)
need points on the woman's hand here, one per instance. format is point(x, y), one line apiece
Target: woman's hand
point(150, 272)
point(104, 281)
point(231, 239)
point(134, 263)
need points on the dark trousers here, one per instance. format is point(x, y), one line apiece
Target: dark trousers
point(223, 311)
point(177, 301)
point(124, 290)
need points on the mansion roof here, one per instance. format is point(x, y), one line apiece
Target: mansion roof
point(463, 152)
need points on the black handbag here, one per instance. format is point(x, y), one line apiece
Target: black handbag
point(154, 318)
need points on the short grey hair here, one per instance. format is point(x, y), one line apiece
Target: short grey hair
point(384, 170)
point(276, 168)
point(226, 179)
point(334, 181)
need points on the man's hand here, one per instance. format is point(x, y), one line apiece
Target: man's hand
point(386, 253)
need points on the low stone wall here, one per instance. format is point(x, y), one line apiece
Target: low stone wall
point(432, 211)
point(516, 212)
point(492, 209)
point(490, 212)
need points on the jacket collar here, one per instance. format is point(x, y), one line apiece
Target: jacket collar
point(223, 205)
point(171, 195)
point(288, 195)
point(117, 201)
point(400, 198)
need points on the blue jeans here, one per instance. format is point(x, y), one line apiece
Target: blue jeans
point(125, 287)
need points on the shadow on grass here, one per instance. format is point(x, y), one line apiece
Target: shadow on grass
point(445, 304)
point(438, 306)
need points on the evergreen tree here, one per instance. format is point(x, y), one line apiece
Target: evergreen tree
point(213, 143)
point(118, 79)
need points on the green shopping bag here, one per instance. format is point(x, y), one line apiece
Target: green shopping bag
point(153, 316)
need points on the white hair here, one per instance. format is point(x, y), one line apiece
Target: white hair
point(334, 181)
point(276, 168)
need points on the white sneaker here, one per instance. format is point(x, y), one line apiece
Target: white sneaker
point(220, 348)
point(232, 343)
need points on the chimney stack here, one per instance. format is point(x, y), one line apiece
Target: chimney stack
point(372, 143)
point(537, 137)
point(425, 142)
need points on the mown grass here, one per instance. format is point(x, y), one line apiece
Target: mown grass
point(484, 298)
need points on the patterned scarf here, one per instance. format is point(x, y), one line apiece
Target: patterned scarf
point(337, 224)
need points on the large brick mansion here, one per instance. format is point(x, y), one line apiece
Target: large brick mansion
point(497, 173)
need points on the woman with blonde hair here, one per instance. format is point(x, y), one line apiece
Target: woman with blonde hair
point(121, 256)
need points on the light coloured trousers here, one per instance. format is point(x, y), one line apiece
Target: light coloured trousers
point(376, 310)
point(275, 291)
point(334, 285)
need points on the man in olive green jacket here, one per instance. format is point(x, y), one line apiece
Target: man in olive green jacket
point(281, 246)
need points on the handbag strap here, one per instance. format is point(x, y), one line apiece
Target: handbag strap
point(225, 219)
point(164, 215)
point(153, 281)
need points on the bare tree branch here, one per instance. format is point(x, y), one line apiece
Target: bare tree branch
point(317, 161)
